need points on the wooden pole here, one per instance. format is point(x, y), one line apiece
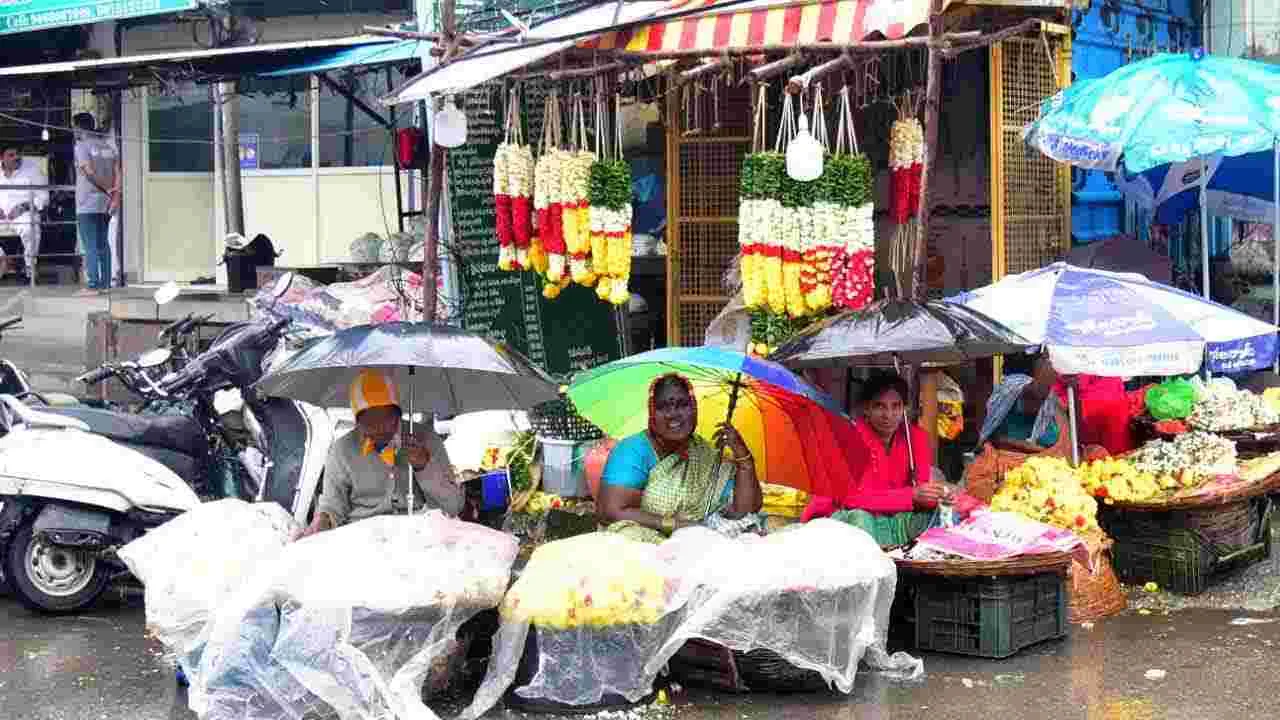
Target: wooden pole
point(435, 181)
point(932, 115)
point(707, 68)
point(979, 40)
point(570, 73)
point(797, 84)
point(467, 39)
point(919, 288)
point(929, 406)
point(776, 67)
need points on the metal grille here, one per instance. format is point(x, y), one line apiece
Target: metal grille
point(694, 318)
point(1035, 191)
point(703, 205)
point(706, 249)
point(717, 165)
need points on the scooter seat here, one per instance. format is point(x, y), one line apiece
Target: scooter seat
point(171, 432)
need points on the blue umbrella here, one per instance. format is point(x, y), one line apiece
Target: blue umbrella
point(1241, 187)
point(1163, 110)
point(1121, 324)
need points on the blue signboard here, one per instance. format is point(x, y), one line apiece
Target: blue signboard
point(249, 151)
point(26, 15)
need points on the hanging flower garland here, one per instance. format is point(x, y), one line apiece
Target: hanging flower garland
point(611, 228)
point(502, 208)
point(577, 218)
point(546, 191)
point(854, 267)
point(820, 244)
point(759, 220)
point(850, 187)
point(906, 165)
point(512, 188)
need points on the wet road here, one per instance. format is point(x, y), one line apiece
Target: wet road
point(100, 666)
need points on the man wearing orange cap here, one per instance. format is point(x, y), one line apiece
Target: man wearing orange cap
point(366, 475)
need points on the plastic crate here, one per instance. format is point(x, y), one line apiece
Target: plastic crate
point(1156, 547)
point(992, 617)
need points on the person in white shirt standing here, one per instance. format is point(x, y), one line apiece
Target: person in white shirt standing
point(20, 209)
point(95, 185)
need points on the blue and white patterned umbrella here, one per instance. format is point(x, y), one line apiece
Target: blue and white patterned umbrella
point(1165, 109)
point(1241, 187)
point(1121, 324)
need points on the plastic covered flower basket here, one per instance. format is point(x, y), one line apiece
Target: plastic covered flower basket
point(351, 622)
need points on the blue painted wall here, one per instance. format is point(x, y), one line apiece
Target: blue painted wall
point(1107, 35)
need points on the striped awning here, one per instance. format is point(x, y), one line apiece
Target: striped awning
point(770, 22)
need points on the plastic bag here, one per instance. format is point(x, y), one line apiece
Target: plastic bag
point(191, 565)
point(382, 296)
point(1171, 400)
point(349, 623)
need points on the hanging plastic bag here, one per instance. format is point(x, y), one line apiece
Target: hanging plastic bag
point(1171, 400)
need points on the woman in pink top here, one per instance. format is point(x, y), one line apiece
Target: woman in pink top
point(894, 493)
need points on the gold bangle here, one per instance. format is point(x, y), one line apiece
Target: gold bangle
point(745, 458)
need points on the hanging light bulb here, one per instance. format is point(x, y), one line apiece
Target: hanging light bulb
point(804, 154)
point(450, 125)
point(44, 134)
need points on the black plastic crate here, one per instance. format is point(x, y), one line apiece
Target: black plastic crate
point(1158, 547)
point(991, 617)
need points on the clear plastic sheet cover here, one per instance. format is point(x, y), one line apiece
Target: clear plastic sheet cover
point(818, 595)
point(597, 607)
point(348, 623)
point(192, 565)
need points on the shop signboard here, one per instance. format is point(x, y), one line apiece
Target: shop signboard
point(574, 332)
point(27, 15)
point(249, 151)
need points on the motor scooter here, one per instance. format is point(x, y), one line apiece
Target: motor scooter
point(79, 483)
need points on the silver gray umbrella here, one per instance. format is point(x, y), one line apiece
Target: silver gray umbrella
point(437, 368)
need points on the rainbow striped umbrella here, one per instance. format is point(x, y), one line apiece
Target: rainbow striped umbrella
point(797, 433)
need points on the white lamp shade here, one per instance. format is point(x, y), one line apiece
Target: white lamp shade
point(804, 154)
point(450, 126)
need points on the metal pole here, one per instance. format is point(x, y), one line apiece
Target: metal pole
point(230, 108)
point(1204, 226)
point(1275, 240)
point(1071, 412)
point(409, 466)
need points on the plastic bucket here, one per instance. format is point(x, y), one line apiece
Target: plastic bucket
point(563, 472)
point(495, 490)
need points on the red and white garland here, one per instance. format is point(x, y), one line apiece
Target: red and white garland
point(513, 193)
point(855, 265)
point(906, 167)
point(546, 203)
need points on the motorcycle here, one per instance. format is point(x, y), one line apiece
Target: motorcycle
point(13, 381)
point(79, 483)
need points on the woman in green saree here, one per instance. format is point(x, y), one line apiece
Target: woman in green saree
point(667, 477)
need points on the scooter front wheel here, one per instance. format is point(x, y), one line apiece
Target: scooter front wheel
point(52, 579)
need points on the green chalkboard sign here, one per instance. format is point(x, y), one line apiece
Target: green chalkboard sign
point(575, 331)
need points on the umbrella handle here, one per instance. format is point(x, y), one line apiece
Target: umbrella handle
point(733, 405)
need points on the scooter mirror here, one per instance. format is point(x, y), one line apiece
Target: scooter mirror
point(152, 358)
point(281, 285)
point(167, 293)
